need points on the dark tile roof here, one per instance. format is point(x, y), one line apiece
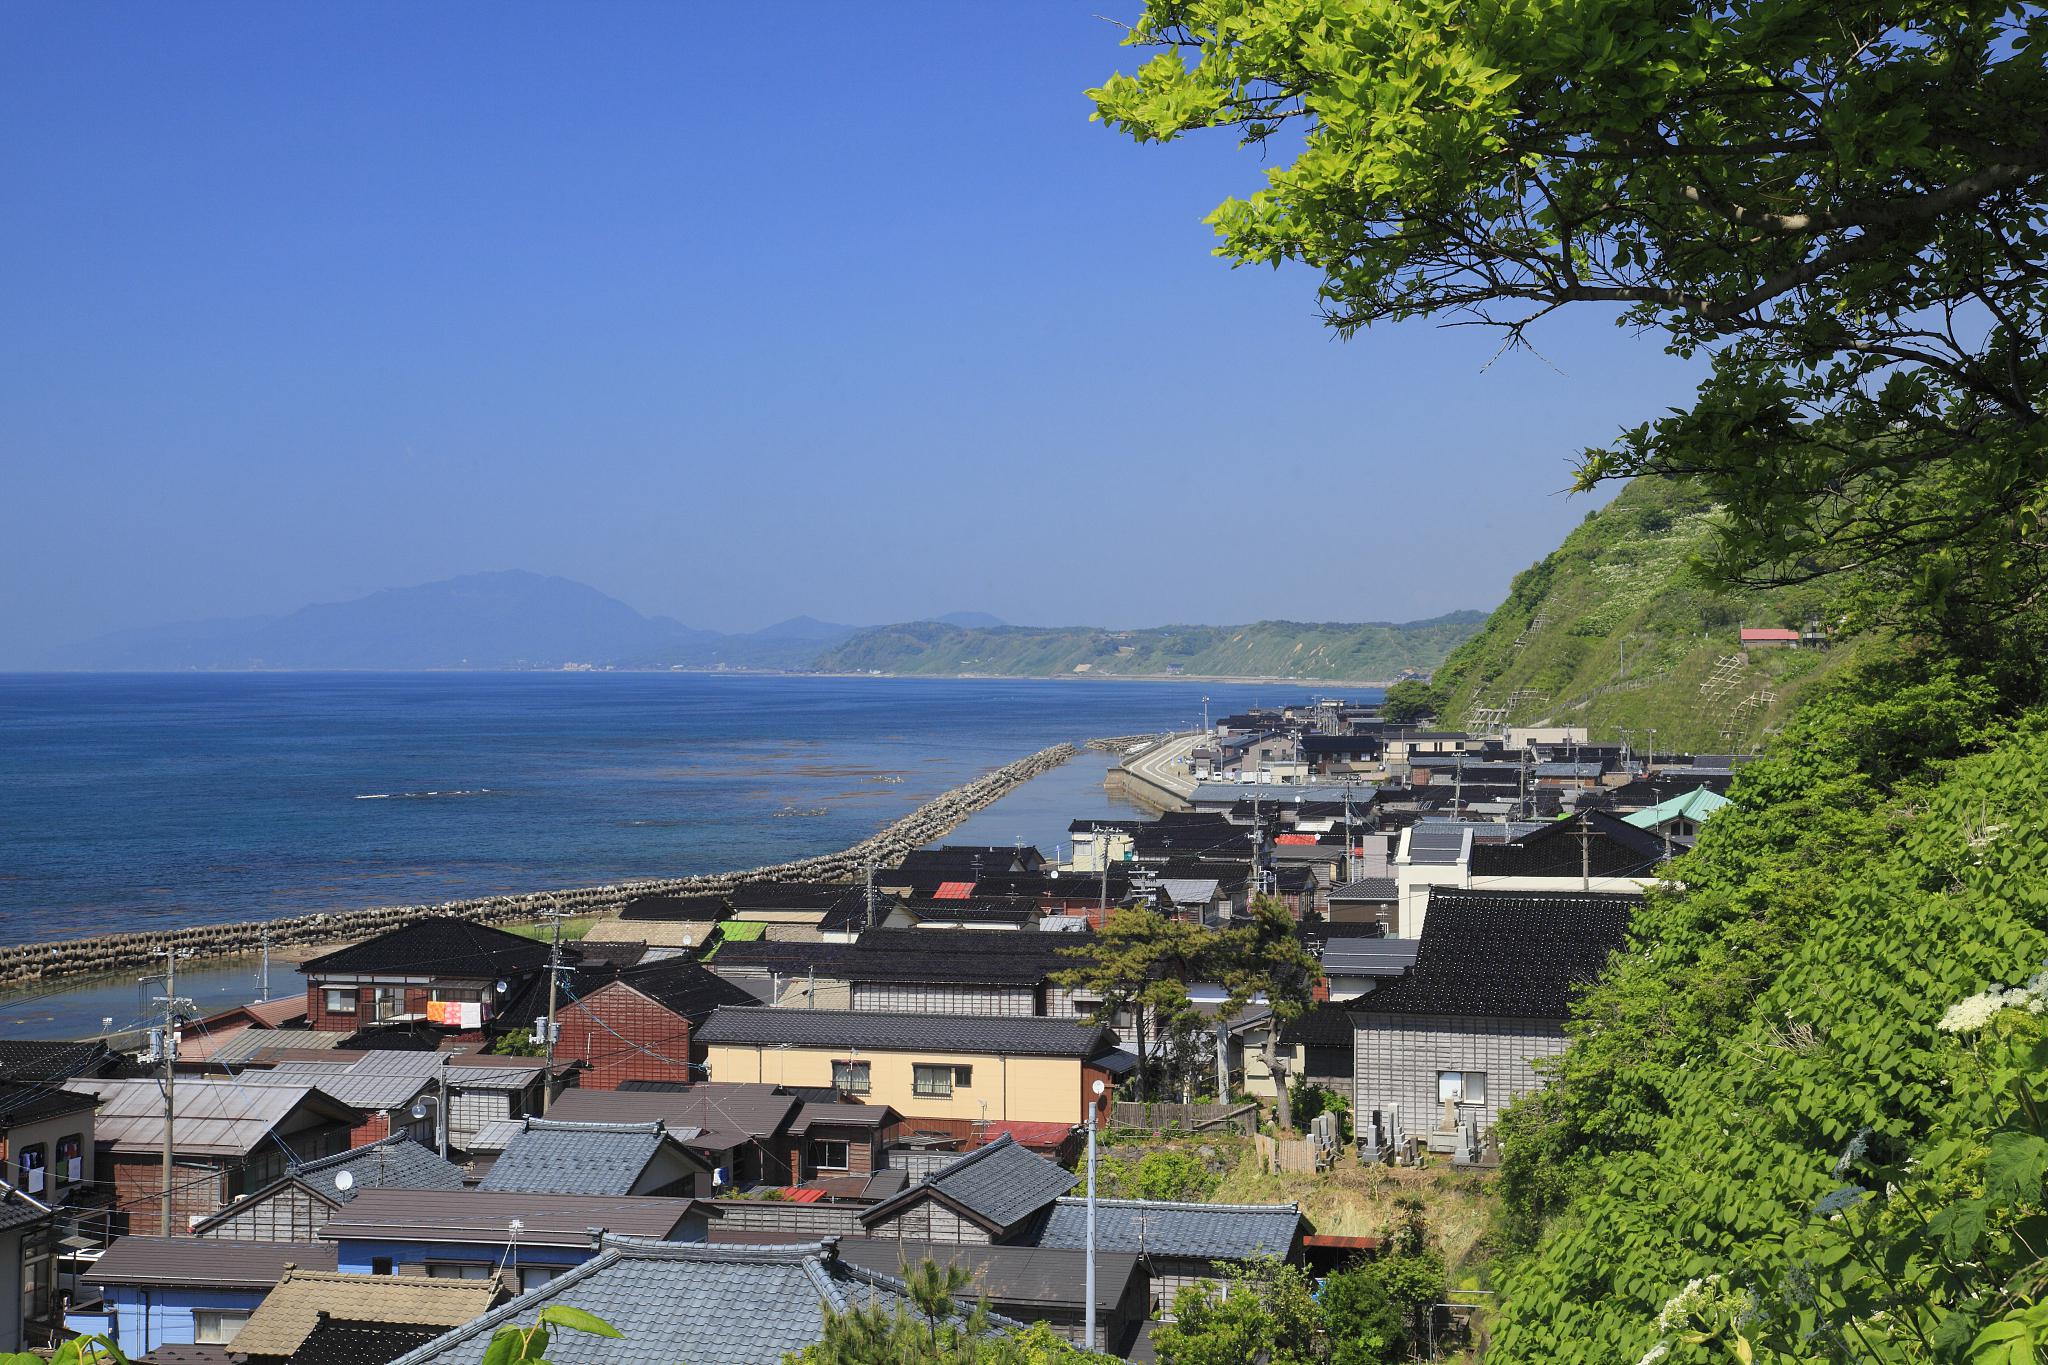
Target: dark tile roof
point(1367, 890)
point(686, 1301)
point(338, 1341)
point(658, 906)
point(1010, 1277)
point(1016, 1036)
point(1325, 1025)
point(769, 897)
point(563, 1157)
point(207, 1261)
point(683, 985)
point(999, 1186)
point(1506, 954)
point(1220, 1232)
point(17, 1212)
point(439, 946)
point(28, 1103)
point(471, 1216)
point(36, 1059)
point(395, 1163)
point(1612, 848)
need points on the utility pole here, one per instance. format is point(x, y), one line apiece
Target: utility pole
point(1585, 854)
point(871, 893)
point(1102, 857)
point(1350, 849)
point(547, 1087)
point(1205, 730)
point(266, 964)
point(169, 1056)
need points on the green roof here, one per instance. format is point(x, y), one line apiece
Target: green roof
point(1694, 805)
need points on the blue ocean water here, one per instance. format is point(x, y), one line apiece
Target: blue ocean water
point(136, 801)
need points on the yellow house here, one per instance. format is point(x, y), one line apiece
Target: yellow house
point(925, 1066)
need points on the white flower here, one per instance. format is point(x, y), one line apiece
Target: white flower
point(1967, 1016)
point(1654, 1354)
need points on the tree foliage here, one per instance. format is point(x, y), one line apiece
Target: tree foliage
point(1267, 1313)
point(1839, 206)
point(936, 1328)
point(1408, 701)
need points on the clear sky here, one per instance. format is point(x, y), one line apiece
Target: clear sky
point(732, 311)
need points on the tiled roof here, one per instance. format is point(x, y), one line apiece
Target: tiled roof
point(1326, 1025)
point(35, 1059)
point(677, 1301)
point(1696, 804)
point(395, 1163)
point(16, 1211)
point(999, 1185)
point(484, 1215)
point(289, 1313)
point(1024, 1036)
point(1611, 848)
point(1371, 890)
point(27, 1103)
point(1222, 1232)
point(215, 1117)
point(1026, 1277)
point(1506, 954)
point(552, 1157)
point(852, 1115)
point(439, 946)
point(205, 1261)
point(658, 906)
point(340, 1341)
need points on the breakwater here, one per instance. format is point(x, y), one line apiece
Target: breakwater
point(108, 953)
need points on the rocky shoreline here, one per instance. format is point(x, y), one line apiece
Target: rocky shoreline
point(28, 964)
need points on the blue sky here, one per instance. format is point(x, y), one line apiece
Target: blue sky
point(734, 312)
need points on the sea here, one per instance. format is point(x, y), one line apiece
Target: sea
point(138, 801)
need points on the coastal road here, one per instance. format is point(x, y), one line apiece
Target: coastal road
point(1165, 765)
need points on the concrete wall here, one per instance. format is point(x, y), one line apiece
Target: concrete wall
point(1029, 1089)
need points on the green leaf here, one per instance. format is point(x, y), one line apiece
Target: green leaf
point(567, 1315)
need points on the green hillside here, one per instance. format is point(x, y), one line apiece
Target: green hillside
point(1612, 630)
point(1373, 652)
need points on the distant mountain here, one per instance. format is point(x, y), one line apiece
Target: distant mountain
point(489, 620)
point(1374, 651)
point(972, 620)
point(803, 628)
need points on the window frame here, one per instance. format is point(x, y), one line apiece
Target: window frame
point(60, 1168)
point(439, 1270)
point(213, 1319)
point(1465, 1095)
point(32, 1168)
point(845, 1071)
point(349, 993)
point(818, 1163)
point(926, 1079)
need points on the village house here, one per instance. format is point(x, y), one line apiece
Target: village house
point(922, 1065)
point(468, 1234)
point(1029, 1283)
point(553, 1156)
point(295, 1206)
point(741, 1131)
point(1455, 1038)
point(297, 1320)
point(1678, 819)
point(989, 1195)
point(708, 1305)
point(386, 1087)
point(636, 1023)
point(668, 925)
point(230, 1139)
point(440, 970)
point(1179, 1244)
point(172, 1291)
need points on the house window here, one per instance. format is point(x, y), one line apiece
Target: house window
point(31, 1164)
point(534, 1276)
point(830, 1156)
point(70, 1159)
point(387, 1002)
point(1461, 1087)
point(381, 1265)
point(216, 1327)
point(851, 1077)
point(931, 1080)
point(339, 999)
point(458, 1270)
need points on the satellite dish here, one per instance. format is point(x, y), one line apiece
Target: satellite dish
point(501, 988)
point(344, 1181)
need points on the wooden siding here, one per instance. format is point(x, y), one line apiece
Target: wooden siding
point(290, 1215)
point(927, 1220)
point(621, 1035)
point(913, 998)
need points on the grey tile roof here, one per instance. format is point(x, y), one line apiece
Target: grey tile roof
point(1000, 1185)
point(1221, 1232)
point(396, 1163)
point(1017, 1036)
point(205, 1261)
point(1371, 889)
point(339, 1341)
point(580, 1158)
point(1506, 954)
point(746, 1109)
point(674, 1301)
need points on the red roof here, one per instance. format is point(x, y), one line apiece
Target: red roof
point(1043, 1137)
point(1770, 636)
point(953, 891)
point(1294, 838)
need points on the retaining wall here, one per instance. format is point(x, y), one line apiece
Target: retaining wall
point(107, 953)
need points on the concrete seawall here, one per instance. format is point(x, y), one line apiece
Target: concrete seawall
point(105, 953)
